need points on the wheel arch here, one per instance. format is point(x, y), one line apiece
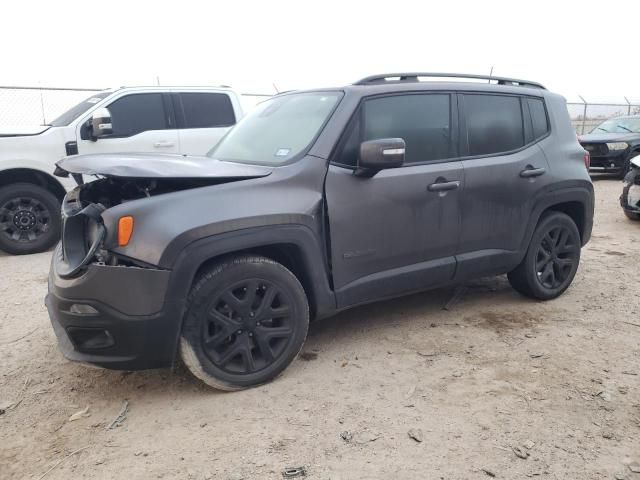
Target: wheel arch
point(576, 202)
point(37, 177)
point(294, 246)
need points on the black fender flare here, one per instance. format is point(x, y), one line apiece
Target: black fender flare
point(194, 255)
point(578, 193)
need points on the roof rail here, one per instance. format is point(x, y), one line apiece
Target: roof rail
point(414, 77)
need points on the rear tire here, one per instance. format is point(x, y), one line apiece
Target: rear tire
point(246, 321)
point(29, 219)
point(552, 258)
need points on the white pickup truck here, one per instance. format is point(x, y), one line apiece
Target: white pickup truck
point(189, 120)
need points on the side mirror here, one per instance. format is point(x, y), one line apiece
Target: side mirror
point(376, 155)
point(101, 123)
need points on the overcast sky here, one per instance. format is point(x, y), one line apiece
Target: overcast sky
point(590, 48)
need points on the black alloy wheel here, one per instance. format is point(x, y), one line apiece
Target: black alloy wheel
point(248, 326)
point(246, 320)
point(557, 253)
point(551, 260)
point(29, 219)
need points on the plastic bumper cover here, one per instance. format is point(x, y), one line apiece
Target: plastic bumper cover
point(114, 316)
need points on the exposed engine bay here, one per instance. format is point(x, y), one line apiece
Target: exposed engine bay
point(112, 191)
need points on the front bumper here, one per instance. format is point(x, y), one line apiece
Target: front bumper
point(610, 162)
point(114, 316)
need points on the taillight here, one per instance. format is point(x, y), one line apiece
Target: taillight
point(587, 155)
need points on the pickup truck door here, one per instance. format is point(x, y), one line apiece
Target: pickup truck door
point(142, 122)
point(203, 118)
point(397, 231)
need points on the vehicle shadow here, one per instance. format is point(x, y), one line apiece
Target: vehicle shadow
point(332, 336)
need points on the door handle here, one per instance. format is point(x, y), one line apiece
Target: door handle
point(163, 144)
point(443, 186)
point(531, 172)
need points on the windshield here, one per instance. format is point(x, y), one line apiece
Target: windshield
point(619, 125)
point(70, 115)
point(277, 130)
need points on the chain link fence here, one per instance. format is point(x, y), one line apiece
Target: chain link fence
point(585, 116)
point(28, 106)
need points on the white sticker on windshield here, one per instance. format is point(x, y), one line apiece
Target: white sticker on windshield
point(283, 152)
point(94, 100)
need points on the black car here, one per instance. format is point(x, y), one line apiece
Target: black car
point(315, 202)
point(613, 144)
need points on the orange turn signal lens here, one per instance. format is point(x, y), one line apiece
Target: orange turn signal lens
point(125, 230)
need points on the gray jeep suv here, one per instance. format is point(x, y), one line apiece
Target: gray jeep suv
point(315, 202)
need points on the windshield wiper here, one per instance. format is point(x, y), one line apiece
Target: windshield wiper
point(603, 129)
point(625, 128)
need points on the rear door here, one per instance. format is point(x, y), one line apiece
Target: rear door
point(505, 170)
point(394, 232)
point(203, 119)
point(142, 122)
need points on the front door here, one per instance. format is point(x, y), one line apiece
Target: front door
point(141, 123)
point(397, 231)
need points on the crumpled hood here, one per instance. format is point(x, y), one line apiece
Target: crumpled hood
point(152, 165)
point(608, 137)
point(23, 131)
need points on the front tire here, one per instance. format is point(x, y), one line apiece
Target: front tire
point(552, 259)
point(246, 321)
point(29, 219)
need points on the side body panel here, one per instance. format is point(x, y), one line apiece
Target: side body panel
point(389, 234)
point(37, 152)
point(164, 226)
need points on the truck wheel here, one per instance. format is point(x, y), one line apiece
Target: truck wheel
point(29, 219)
point(246, 320)
point(551, 260)
point(632, 215)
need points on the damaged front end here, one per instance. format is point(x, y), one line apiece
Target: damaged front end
point(85, 237)
point(106, 306)
point(630, 198)
point(120, 179)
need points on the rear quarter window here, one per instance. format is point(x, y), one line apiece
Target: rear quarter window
point(538, 117)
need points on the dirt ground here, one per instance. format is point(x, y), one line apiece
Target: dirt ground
point(493, 377)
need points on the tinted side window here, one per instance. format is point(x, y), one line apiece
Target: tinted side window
point(494, 123)
point(538, 117)
point(206, 110)
point(137, 113)
point(423, 121)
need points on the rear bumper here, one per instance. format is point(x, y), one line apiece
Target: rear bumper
point(114, 317)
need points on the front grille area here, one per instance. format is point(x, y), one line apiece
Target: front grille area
point(596, 149)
